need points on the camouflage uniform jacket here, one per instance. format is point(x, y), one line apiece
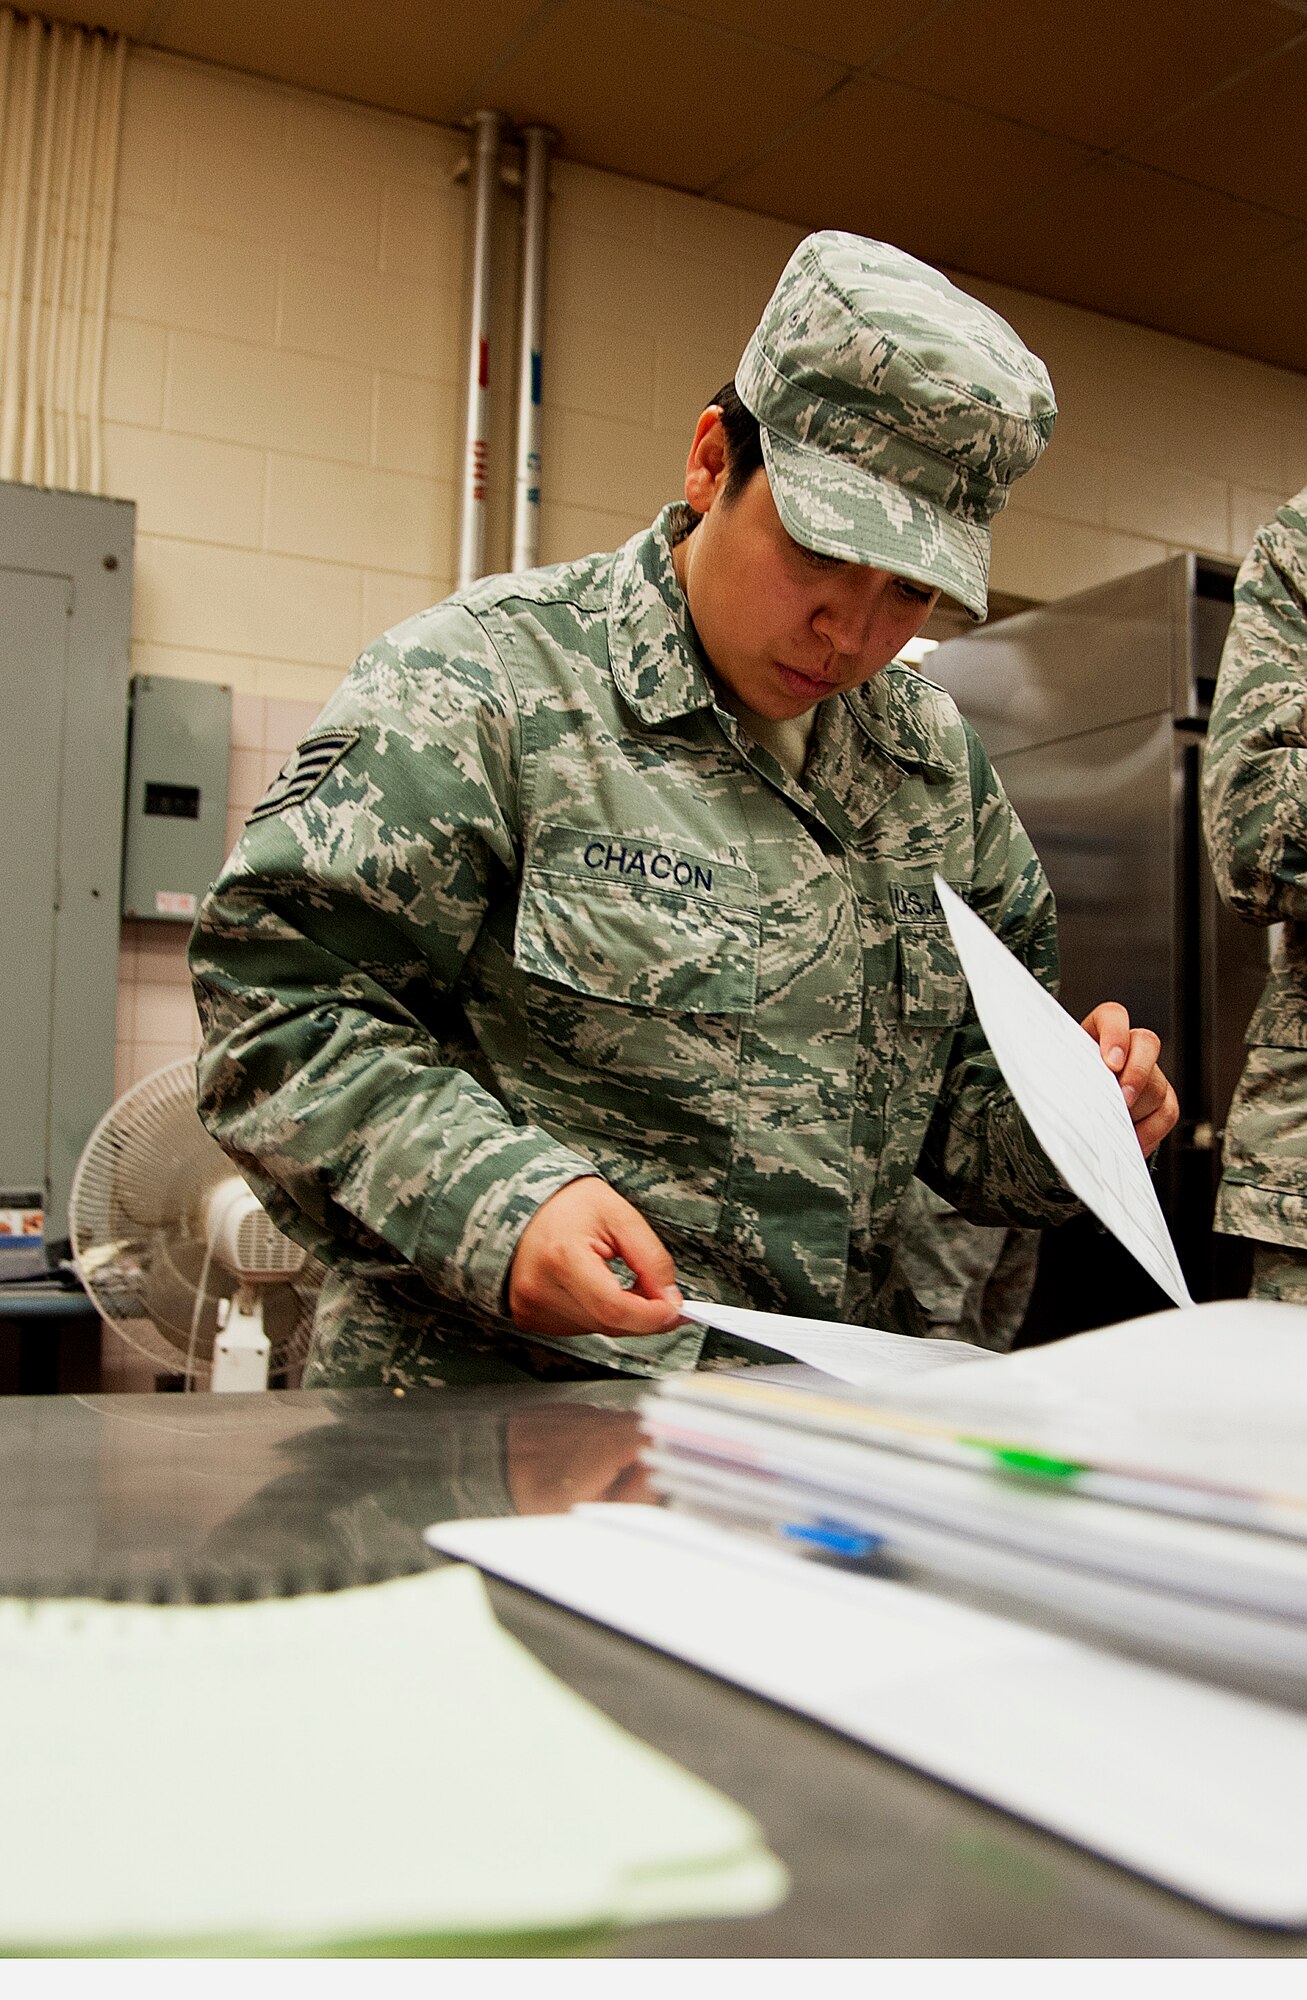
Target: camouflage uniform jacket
point(1255, 818)
point(966, 1281)
point(527, 905)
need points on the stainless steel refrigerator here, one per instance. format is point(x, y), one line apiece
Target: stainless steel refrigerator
point(1094, 710)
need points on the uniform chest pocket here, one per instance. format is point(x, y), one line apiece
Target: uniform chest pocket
point(644, 996)
point(611, 943)
point(932, 985)
point(635, 1001)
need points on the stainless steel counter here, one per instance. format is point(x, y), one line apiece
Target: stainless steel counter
point(180, 1498)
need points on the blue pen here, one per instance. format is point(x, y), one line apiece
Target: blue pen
point(831, 1538)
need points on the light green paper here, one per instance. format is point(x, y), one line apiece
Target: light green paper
point(287, 1775)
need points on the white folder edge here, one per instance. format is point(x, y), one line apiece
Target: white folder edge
point(1199, 1789)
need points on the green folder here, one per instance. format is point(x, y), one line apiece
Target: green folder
point(371, 1770)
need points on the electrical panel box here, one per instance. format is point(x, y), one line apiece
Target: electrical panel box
point(65, 628)
point(175, 834)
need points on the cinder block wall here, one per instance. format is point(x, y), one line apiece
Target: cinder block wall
point(282, 397)
point(283, 392)
point(285, 355)
point(283, 388)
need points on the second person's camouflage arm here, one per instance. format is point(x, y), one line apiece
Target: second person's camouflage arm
point(324, 957)
point(1255, 765)
point(979, 1152)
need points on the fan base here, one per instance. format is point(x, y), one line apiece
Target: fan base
point(241, 1351)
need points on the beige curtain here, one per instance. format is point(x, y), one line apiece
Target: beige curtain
point(61, 91)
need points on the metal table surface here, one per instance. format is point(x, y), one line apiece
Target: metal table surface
point(186, 1498)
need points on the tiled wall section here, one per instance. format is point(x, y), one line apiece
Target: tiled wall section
point(284, 360)
point(156, 1014)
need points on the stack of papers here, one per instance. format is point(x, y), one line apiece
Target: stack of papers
point(1149, 1478)
point(375, 1767)
point(1202, 1411)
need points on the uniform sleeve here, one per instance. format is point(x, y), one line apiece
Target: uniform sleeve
point(1255, 766)
point(979, 1152)
point(334, 1068)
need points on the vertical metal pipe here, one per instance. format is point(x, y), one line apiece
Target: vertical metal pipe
point(11, 391)
point(536, 143)
point(476, 445)
point(41, 227)
point(109, 203)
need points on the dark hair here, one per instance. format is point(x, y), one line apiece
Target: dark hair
point(743, 457)
point(743, 441)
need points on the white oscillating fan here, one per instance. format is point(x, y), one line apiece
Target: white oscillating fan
point(177, 1252)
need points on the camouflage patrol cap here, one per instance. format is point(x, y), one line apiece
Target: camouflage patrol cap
point(896, 411)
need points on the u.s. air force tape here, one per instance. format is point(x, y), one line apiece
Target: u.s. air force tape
point(304, 771)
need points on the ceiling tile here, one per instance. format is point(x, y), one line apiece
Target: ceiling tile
point(1122, 239)
point(641, 91)
point(1263, 314)
point(1250, 141)
point(424, 60)
point(1096, 73)
point(891, 162)
point(851, 32)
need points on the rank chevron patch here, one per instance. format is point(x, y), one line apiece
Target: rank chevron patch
point(301, 775)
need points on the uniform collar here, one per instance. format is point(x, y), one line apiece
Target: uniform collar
point(867, 743)
point(652, 645)
point(898, 723)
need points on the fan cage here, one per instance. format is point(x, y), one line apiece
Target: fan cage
point(138, 1220)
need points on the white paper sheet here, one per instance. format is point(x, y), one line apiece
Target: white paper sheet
point(1216, 1396)
point(865, 1355)
point(1070, 1098)
point(1201, 1789)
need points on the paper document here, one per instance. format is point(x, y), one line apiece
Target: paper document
point(1200, 1411)
point(1266, 1655)
point(1201, 1789)
point(371, 1765)
point(865, 1355)
point(1215, 1396)
point(1070, 1098)
point(691, 1435)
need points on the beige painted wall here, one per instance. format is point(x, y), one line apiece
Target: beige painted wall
point(283, 375)
point(282, 401)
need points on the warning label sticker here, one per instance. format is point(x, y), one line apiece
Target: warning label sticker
point(21, 1224)
point(22, 1234)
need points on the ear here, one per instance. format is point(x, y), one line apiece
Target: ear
point(705, 469)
